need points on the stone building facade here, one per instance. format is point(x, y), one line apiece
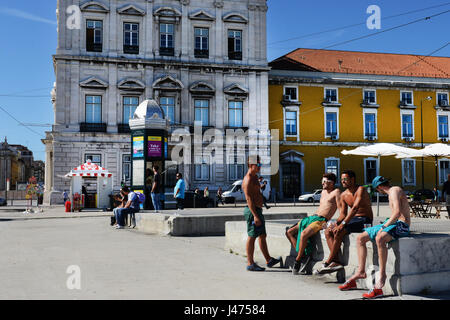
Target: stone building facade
point(201, 60)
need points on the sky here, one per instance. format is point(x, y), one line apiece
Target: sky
point(28, 33)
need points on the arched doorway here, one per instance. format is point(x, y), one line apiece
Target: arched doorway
point(291, 174)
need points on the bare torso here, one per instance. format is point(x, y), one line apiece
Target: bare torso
point(252, 190)
point(328, 203)
point(397, 192)
point(365, 205)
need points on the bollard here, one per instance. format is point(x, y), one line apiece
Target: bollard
point(294, 200)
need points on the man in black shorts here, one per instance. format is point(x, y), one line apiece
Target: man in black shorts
point(358, 200)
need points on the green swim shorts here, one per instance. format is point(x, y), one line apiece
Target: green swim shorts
point(252, 230)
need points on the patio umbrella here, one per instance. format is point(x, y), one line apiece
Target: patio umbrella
point(378, 150)
point(436, 150)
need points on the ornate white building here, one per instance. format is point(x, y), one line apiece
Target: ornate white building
point(201, 60)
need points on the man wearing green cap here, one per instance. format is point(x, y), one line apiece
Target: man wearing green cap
point(391, 229)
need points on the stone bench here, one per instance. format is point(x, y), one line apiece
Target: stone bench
point(416, 264)
point(190, 223)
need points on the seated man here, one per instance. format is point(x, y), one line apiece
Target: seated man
point(299, 235)
point(391, 229)
point(131, 207)
point(358, 199)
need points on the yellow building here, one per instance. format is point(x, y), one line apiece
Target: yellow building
point(325, 101)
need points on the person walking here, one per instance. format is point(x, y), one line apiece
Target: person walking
point(253, 214)
point(156, 189)
point(220, 195)
point(179, 190)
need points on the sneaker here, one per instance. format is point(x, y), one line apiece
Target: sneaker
point(296, 267)
point(273, 262)
point(120, 227)
point(348, 285)
point(374, 293)
point(255, 267)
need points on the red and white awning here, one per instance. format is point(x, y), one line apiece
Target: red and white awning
point(89, 170)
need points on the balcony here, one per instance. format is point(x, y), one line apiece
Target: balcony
point(130, 49)
point(94, 47)
point(166, 51)
point(235, 55)
point(199, 53)
point(123, 128)
point(92, 127)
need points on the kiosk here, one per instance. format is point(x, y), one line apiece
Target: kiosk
point(149, 147)
point(93, 183)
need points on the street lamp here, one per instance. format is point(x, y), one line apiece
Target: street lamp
point(421, 136)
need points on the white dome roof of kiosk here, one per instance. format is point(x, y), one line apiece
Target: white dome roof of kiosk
point(149, 109)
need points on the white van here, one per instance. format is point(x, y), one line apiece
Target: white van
point(235, 193)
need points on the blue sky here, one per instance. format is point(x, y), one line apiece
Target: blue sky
point(28, 33)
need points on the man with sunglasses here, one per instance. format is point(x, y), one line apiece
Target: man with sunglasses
point(299, 234)
point(357, 199)
point(253, 215)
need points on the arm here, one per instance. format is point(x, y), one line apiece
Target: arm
point(343, 208)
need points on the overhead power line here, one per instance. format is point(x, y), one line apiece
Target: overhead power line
point(354, 25)
point(21, 123)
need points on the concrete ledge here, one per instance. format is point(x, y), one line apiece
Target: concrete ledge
point(417, 264)
point(189, 224)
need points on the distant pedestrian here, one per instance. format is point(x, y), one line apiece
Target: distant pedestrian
point(220, 195)
point(179, 190)
point(437, 194)
point(65, 196)
point(156, 189)
point(263, 185)
point(206, 193)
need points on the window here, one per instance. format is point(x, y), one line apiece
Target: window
point(126, 168)
point(236, 168)
point(202, 168)
point(442, 99)
point(234, 44)
point(331, 124)
point(93, 109)
point(94, 158)
point(131, 38)
point(406, 97)
point(291, 123)
point(444, 170)
point(409, 172)
point(370, 124)
point(235, 114)
point(332, 165)
point(129, 107)
point(168, 105)
point(202, 111)
point(201, 49)
point(370, 169)
point(443, 126)
point(370, 96)
point(331, 95)
point(407, 125)
point(94, 36)
point(166, 45)
point(291, 92)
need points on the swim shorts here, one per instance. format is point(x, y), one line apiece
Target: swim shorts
point(252, 230)
point(316, 223)
point(356, 224)
point(396, 230)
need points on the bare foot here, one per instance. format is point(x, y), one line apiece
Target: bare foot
point(358, 275)
point(380, 283)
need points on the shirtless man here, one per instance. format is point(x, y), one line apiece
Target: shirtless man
point(391, 229)
point(299, 235)
point(357, 199)
point(253, 215)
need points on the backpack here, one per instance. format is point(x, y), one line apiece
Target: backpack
point(141, 197)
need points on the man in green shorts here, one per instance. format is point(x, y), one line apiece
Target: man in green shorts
point(299, 235)
point(393, 228)
point(253, 215)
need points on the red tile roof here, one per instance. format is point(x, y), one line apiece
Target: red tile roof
point(407, 65)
